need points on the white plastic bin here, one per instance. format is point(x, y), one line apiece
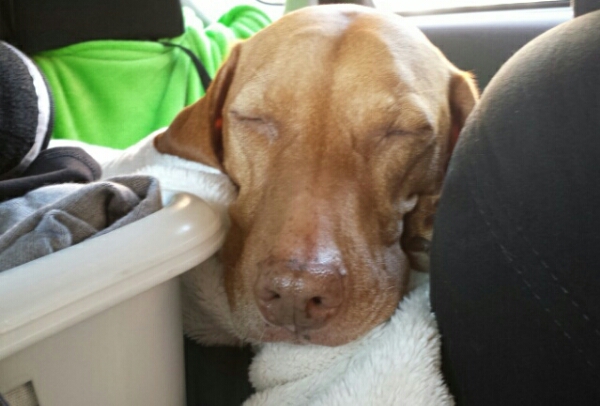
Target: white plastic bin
point(99, 323)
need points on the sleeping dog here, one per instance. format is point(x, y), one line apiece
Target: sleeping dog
point(335, 125)
point(323, 142)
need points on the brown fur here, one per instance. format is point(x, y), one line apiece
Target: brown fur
point(337, 126)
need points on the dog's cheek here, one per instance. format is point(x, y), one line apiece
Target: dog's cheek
point(388, 277)
point(398, 268)
point(231, 258)
point(244, 312)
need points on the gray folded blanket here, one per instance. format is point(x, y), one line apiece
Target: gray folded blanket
point(54, 217)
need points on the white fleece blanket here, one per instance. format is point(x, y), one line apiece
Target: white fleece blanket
point(397, 363)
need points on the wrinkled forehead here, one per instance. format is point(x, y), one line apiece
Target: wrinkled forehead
point(350, 48)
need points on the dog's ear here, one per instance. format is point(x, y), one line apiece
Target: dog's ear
point(418, 224)
point(417, 232)
point(463, 97)
point(196, 133)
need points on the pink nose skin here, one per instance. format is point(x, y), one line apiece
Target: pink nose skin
point(299, 296)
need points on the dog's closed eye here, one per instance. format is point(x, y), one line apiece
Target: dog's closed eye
point(424, 129)
point(401, 133)
point(255, 122)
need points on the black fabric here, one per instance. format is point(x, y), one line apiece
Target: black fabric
point(515, 274)
point(18, 110)
point(39, 25)
point(52, 166)
point(216, 376)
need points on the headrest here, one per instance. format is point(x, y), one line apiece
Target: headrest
point(581, 7)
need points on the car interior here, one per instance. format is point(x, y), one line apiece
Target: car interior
point(99, 322)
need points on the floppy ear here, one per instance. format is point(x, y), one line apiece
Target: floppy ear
point(463, 97)
point(418, 230)
point(196, 133)
point(418, 224)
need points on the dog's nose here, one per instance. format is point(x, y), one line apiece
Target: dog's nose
point(299, 296)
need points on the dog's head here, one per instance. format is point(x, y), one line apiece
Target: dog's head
point(335, 124)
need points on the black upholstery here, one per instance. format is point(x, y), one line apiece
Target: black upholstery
point(38, 25)
point(481, 42)
point(581, 7)
point(514, 259)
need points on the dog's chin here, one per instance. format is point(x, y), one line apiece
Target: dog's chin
point(325, 336)
point(251, 327)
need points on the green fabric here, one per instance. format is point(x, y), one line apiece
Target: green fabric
point(114, 93)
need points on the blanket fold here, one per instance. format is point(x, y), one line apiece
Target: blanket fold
point(52, 166)
point(55, 217)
